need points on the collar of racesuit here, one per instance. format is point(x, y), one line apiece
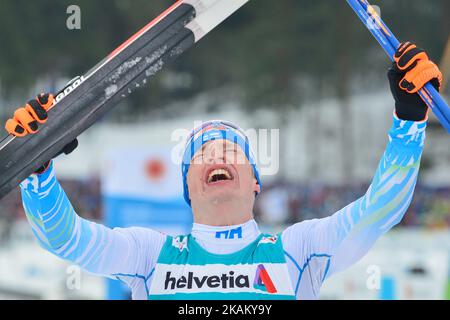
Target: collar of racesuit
point(226, 236)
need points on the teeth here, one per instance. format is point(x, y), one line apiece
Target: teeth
point(219, 172)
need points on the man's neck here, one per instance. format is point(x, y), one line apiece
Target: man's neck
point(225, 239)
point(223, 214)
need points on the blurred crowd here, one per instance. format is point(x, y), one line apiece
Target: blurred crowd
point(279, 204)
point(285, 203)
point(85, 196)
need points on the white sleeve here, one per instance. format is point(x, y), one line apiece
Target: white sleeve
point(128, 254)
point(329, 245)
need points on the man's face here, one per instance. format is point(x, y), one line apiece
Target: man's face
point(220, 172)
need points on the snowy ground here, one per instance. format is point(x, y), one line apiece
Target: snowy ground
point(29, 272)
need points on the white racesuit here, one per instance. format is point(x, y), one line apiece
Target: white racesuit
point(313, 250)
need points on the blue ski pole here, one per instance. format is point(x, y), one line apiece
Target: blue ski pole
point(389, 42)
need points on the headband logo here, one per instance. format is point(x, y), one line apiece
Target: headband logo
point(264, 151)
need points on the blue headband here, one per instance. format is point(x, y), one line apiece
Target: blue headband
point(210, 131)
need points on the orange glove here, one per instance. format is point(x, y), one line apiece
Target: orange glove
point(27, 118)
point(418, 67)
point(411, 70)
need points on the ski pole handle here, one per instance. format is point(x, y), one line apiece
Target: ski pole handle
point(389, 42)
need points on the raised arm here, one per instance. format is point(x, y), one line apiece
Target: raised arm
point(338, 241)
point(125, 254)
point(96, 248)
point(348, 234)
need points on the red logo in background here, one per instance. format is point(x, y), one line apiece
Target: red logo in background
point(155, 169)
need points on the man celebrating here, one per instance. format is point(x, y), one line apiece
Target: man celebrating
point(226, 256)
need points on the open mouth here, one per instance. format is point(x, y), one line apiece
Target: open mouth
point(217, 175)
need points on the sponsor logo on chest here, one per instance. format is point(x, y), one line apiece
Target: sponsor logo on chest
point(192, 281)
point(267, 278)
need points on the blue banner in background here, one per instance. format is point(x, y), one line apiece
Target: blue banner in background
point(143, 188)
